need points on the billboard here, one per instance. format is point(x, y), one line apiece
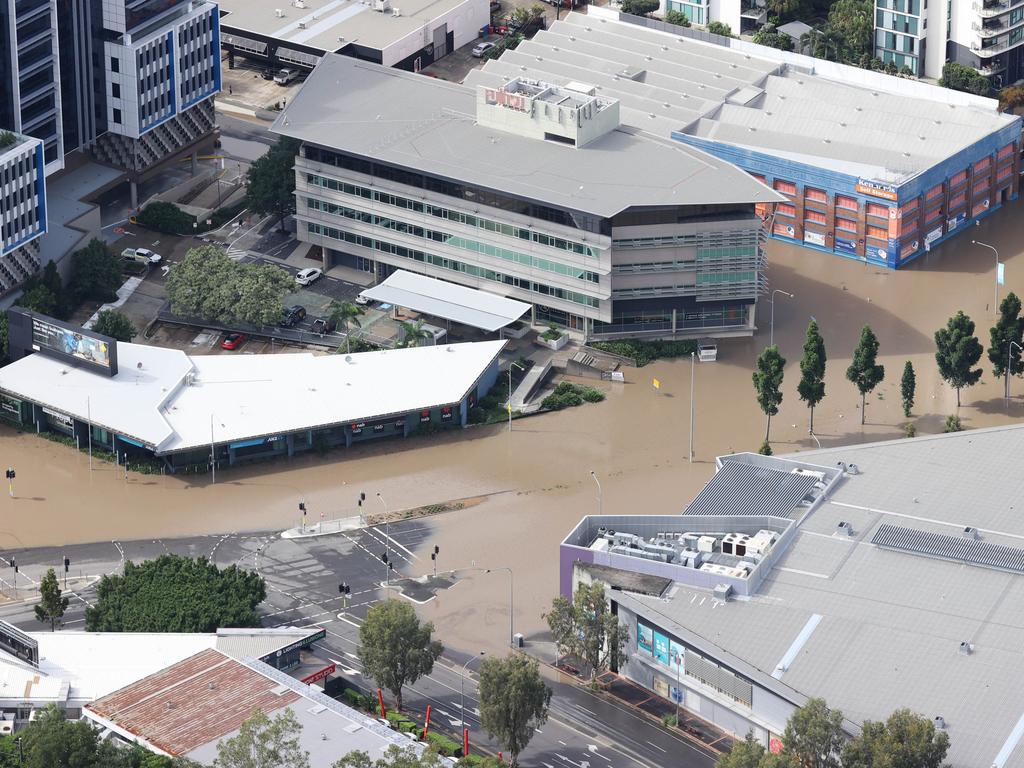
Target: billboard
point(661, 647)
point(31, 332)
point(644, 638)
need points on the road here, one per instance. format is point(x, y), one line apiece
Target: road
point(584, 730)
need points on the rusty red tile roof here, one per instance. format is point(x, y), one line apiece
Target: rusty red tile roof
point(191, 703)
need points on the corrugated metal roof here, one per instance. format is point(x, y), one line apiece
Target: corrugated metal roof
point(948, 547)
point(744, 489)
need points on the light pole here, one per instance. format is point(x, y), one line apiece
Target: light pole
point(464, 670)
point(1009, 350)
point(511, 602)
point(600, 493)
point(387, 539)
point(679, 686)
point(992, 248)
point(693, 365)
point(512, 365)
point(771, 337)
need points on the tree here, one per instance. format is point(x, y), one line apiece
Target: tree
point(167, 217)
point(53, 741)
point(678, 18)
point(720, 28)
point(412, 332)
point(768, 383)
point(271, 180)
point(957, 351)
point(770, 36)
point(38, 298)
point(1008, 330)
point(586, 628)
point(395, 648)
point(342, 315)
point(5, 344)
point(812, 370)
point(864, 372)
point(639, 7)
point(908, 384)
point(52, 604)
point(95, 272)
point(394, 757)
point(513, 702)
point(853, 23)
point(814, 735)
point(264, 743)
point(905, 739)
point(175, 593)
point(1011, 99)
point(960, 77)
point(115, 324)
point(209, 284)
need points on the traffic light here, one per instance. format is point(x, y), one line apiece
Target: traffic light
point(67, 564)
point(437, 550)
point(302, 507)
point(344, 589)
point(10, 473)
point(362, 498)
point(383, 557)
point(433, 555)
point(12, 563)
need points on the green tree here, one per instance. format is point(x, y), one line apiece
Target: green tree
point(678, 18)
point(853, 23)
point(750, 754)
point(768, 384)
point(52, 604)
point(957, 351)
point(175, 593)
point(395, 648)
point(5, 343)
point(814, 735)
point(960, 77)
point(586, 628)
point(38, 298)
point(412, 332)
point(908, 386)
point(905, 740)
point(812, 370)
point(513, 702)
point(953, 424)
point(271, 180)
point(342, 316)
point(719, 28)
point(1008, 330)
point(95, 272)
point(864, 372)
point(115, 324)
point(53, 741)
point(770, 36)
point(394, 757)
point(166, 217)
point(639, 7)
point(263, 742)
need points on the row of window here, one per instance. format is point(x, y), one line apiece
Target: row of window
point(453, 240)
point(456, 266)
point(508, 230)
point(745, 238)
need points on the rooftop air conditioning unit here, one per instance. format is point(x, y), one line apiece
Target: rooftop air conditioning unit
point(940, 723)
point(380, 5)
point(853, 469)
point(279, 13)
point(966, 649)
point(844, 529)
point(302, 25)
point(970, 533)
point(395, 12)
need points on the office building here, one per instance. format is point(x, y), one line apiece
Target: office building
point(408, 34)
point(22, 205)
point(875, 576)
point(873, 167)
point(529, 190)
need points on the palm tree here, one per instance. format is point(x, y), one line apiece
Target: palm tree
point(412, 333)
point(344, 315)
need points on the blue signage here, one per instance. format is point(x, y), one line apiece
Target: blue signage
point(128, 440)
point(661, 647)
point(644, 638)
point(846, 246)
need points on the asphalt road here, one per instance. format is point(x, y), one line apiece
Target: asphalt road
point(584, 730)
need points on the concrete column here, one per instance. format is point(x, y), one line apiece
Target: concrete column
point(195, 162)
point(134, 193)
point(674, 320)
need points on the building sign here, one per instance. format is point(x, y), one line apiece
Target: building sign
point(876, 189)
point(10, 405)
point(661, 648)
point(400, 424)
point(424, 417)
point(644, 638)
point(846, 246)
point(446, 413)
point(60, 418)
point(319, 675)
point(814, 238)
point(955, 222)
point(74, 344)
point(378, 427)
point(502, 98)
point(932, 236)
point(303, 643)
point(357, 429)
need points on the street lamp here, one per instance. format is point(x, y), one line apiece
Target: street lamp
point(771, 337)
point(992, 248)
point(464, 670)
point(387, 537)
point(1006, 373)
point(511, 603)
point(600, 495)
point(512, 365)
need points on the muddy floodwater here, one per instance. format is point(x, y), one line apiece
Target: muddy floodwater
point(537, 478)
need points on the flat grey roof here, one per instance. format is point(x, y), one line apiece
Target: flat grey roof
point(439, 298)
point(747, 489)
point(325, 21)
point(669, 83)
point(429, 125)
point(891, 622)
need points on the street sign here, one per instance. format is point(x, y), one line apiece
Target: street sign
point(1001, 274)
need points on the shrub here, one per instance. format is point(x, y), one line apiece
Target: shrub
point(444, 745)
point(552, 334)
point(953, 424)
point(669, 721)
point(567, 395)
point(167, 218)
point(7, 139)
point(592, 395)
point(910, 430)
point(720, 28)
point(765, 449)
point(678, 18)
point(643, 352)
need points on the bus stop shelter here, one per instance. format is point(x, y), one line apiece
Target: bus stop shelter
point(456, 303)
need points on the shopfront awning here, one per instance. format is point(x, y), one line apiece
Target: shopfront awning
point(438, 298)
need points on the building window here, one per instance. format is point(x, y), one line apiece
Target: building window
point(785, 187)
point(785, 209)
point(846, 225)
point(878, 233)
point(817, 195)
point(814, 217)
point(934, 192)
point(115, 64)
point(848, 203)
point(115, 90)
point(117, 116)
point(874, 209)
point(958, 178)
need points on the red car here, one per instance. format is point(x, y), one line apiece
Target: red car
point(233, 341)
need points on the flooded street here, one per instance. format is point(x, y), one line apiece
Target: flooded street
point(538, 477)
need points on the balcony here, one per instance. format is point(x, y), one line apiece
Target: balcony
point(992, 68)
point(989, 9)
point(989, 29)
point(994, 50)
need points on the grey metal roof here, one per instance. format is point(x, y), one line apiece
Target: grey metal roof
point(439, 298)
point(429, 125)
point(244, 643)
point(745, 489)
point(681, 84)
point(947, 547)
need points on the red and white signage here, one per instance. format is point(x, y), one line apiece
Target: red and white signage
point(320, 674)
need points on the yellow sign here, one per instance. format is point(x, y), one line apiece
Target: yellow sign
point(656, 383)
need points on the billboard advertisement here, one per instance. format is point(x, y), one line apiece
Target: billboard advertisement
point(814, 238)
point(846, 246)
point(661, 647)
point(644, 638)
point(31, 332)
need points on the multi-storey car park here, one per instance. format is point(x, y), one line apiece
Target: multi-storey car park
point(872, 167)
point(529, 190)
point(877, 576)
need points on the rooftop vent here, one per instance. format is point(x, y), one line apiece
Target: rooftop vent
point(970, 533)
point(212, 686)
point(966, 649)
point(302, 25)
point(940, 723)
point(279, 13)
point(844, 529)
point(722, 592)
point(168, 706)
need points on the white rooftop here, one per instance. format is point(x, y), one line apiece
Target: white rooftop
point(439, 298)
point(166, 399)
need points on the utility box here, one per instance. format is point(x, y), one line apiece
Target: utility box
point(517, 640)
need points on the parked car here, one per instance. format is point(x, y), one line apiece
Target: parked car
point(233, 341)
point(362, 301)
point(309, 275)
point(481, 49)
point(143, 255)
point(267, 74)
point(293, 316)
point(286, 76)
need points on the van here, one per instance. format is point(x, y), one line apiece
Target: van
point(286, 76)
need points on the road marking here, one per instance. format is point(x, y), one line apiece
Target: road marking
point(341, 617)
point(660, 749)
point(400, 546)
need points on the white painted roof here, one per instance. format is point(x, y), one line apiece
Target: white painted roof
point(167, 400)
point(478, 309)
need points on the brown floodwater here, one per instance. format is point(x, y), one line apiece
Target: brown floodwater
point(538, 477)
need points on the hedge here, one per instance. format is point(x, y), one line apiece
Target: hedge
point(567, 395)
point(167, 218)
point(444, 745)
point(643, 352)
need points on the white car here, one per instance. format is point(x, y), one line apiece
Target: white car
point(285, 76)
point(143, 255)
point(481, 49)
point(309, 275)
point(362, 301)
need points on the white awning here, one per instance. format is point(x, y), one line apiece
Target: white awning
point(439, 298)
